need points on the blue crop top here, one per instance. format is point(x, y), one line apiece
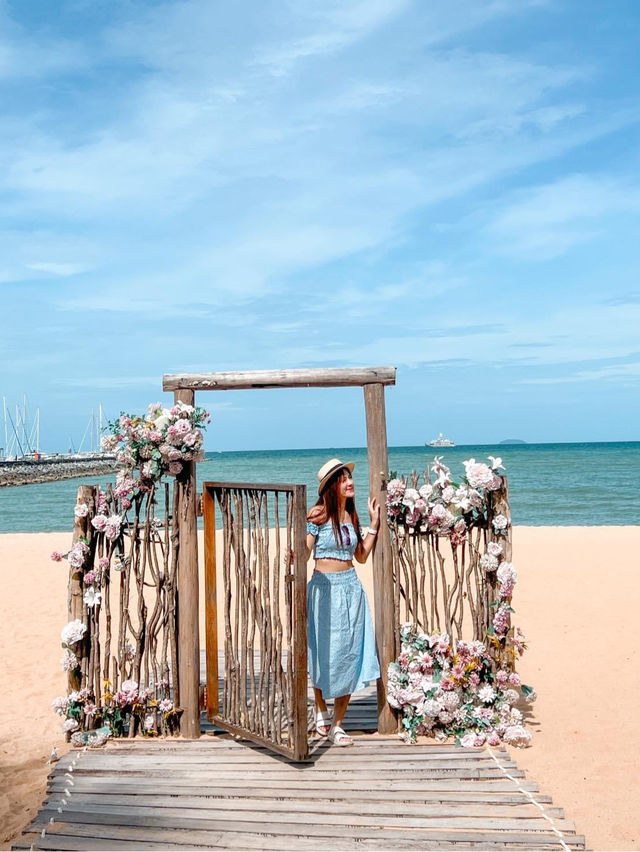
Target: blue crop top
point(326, 546)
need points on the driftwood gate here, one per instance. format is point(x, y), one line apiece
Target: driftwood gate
point(373, 381)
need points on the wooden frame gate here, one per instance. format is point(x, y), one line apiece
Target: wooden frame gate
point(372, 380)
point(263, 607)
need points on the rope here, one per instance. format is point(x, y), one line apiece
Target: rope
point(68, 775)
point(533, 801)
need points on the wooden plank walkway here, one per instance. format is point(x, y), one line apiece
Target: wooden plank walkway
point(218, 793)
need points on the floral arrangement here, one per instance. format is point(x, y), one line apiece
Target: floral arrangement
point(158, 443)
point(444, 507)
point(150, 710)
point(446, 690)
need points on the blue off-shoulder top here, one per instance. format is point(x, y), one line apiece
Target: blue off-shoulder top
point(326, 546)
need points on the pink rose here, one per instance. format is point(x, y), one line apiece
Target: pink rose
point(57, 557)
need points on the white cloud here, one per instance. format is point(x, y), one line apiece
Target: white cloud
point(543, 222)
point(62, 269)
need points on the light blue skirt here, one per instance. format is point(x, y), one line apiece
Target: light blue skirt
point(341, 641)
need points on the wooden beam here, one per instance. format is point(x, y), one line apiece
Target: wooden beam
point(381, 558)
point(318, 378)
point(188, 625)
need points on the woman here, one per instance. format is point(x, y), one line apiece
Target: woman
point(342, 656)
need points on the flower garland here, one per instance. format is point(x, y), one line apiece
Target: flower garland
point(147, 448)
point(453, 690)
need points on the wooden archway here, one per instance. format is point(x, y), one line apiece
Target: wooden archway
point(184, 386)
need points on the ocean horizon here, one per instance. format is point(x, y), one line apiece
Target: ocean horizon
point(550, 484)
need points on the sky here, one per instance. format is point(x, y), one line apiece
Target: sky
point(451, 188)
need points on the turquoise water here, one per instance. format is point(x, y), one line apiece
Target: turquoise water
point(549, 484)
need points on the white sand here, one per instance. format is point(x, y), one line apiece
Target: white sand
point(577, 600)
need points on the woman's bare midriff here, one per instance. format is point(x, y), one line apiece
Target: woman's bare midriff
point(332, 566)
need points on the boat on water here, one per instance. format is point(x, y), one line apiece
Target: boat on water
point(440, 441)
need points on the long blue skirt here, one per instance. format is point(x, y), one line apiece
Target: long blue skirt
point(341, 641)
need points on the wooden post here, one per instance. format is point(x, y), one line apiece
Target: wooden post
point(188, 626)
point(381, 558)
point(211, 602)
point(75, 603)
point(301, 744)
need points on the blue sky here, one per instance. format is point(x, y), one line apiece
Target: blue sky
point(451, 188)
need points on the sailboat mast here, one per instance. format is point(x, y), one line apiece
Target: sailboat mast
point(6, 426)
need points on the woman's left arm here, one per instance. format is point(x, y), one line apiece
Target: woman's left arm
point(365, 547)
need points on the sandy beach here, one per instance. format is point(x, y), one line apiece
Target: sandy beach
point(577, 601)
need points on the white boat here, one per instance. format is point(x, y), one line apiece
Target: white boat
point(441, 441)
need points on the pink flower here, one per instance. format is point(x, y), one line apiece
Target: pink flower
point(479, 740)
point(126, 503)
point(89, 709)
point(501, 620)
point(103, 563)
point(57, 557)
point(155, 436)
point(175, 468)
point(502, 677)
point(99, 522)
point(493, 739)
point(514, 679)
point(474, 678)
point(89, 578)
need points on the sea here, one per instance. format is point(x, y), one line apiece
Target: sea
point(587, 484)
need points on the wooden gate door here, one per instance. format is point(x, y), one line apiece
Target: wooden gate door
point(255, 599)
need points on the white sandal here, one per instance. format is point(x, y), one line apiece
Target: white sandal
point(339, 737)
point(323, 720)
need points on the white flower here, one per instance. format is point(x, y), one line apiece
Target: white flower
point(163, 421)
point(81, 510)
point(425, 491)
point(516, 735)
point(469, 740)
point(165, 705)
point(510, 696)
point(479, 475)
point(500, 522)
point(92, 597)
point(447, 493)
point(443, 474)
point(496, 463)
point(486, 694)
point(488, 562)
point(69, 662)
point(73, 632)
point(69, 725)
point(129, 685)
point(410, 497)
point(60, 705)
point(149, 722)
point(494, 548)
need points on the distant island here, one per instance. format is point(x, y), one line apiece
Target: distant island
point(512, 441)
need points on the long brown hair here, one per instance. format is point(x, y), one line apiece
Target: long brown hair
point(327, 508)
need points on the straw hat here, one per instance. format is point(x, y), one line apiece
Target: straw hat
point(329, 468)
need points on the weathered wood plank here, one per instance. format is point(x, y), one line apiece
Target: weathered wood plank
point(321, 377)
point(176, 838)
point(445, 833)
point(536, 823)
point(329, 806)
point(308, 791)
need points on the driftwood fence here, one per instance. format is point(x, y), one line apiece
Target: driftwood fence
point(441, 586)
point(128, 656)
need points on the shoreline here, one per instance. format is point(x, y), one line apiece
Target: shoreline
point(581, 626)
